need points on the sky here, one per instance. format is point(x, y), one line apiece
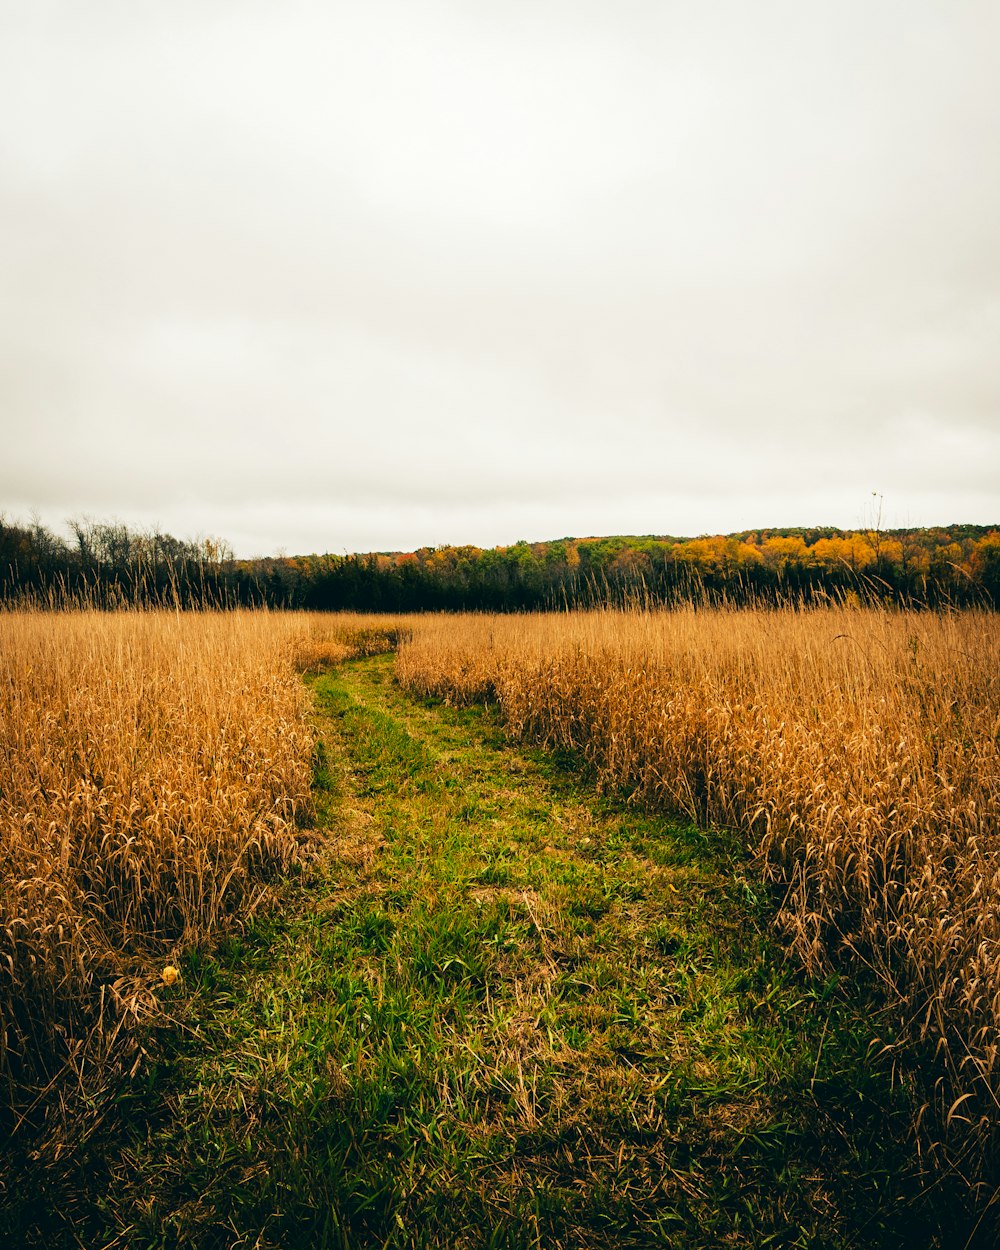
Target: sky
point(346, 277)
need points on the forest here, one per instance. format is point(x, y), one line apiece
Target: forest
point(110, 565)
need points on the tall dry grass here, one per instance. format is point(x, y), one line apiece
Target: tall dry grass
point(858, 754)
point(154, 772)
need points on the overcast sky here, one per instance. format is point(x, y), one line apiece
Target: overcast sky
point(356, 276)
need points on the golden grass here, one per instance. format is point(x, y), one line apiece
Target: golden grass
point(154, 773)
point(155, 768)
point(856, 751)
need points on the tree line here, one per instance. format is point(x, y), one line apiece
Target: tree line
point(110, 565)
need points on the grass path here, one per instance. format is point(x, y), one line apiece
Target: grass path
point(502, 1012)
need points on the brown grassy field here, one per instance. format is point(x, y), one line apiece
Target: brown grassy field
point(857, 752)
point(155, 774)
point(155, 771)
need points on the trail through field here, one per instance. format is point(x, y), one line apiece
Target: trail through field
point(502, 1011)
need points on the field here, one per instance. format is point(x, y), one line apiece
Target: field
point(155, 771)
point(856, 753)
point(591, 929)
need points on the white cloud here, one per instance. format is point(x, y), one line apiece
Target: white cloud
point(323, 276)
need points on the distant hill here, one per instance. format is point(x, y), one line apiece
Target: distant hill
point(942, 565)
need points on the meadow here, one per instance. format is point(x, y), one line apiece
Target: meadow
point(154, 774)
point(166, 795)
point(855, 752)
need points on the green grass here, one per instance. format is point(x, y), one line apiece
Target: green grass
point(498, 1011)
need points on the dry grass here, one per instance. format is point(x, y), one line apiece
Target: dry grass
point(154, 773)
point(858, 752)
point(327, 639)
point(155, 768)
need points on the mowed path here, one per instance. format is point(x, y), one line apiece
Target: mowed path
point(501, 1011)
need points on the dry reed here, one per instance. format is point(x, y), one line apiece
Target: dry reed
point(154, 770)
point(858, 754)
point(154, 773)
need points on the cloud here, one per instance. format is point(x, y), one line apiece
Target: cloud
point(372, 274)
